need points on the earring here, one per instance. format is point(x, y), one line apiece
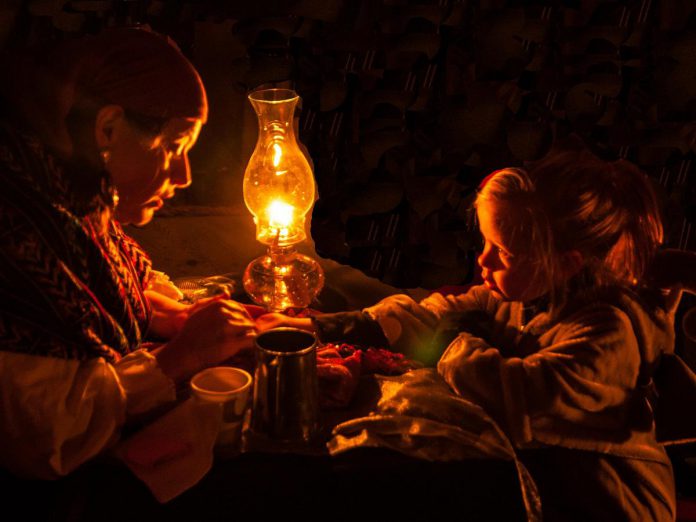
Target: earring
point(105, 155)
point(108, 192)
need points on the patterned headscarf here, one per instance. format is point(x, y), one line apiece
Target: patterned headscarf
point(142, 71)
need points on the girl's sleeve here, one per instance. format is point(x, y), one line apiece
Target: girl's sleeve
point(420, 330)
point(587, 372)
point(55, 414)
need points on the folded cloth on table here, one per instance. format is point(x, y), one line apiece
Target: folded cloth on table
point(174, 452)
point(417, 414)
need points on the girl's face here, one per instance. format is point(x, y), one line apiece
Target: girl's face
point(505, 267)
point(147, 170)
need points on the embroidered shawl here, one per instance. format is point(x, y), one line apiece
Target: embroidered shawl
point(70, 285)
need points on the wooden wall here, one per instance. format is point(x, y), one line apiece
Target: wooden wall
point(407, 105)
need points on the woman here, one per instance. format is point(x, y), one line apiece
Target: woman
point(94, 132)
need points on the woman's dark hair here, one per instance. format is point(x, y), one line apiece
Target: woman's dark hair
point(57, 92)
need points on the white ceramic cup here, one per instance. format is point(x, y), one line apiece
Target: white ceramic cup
point(230, 388)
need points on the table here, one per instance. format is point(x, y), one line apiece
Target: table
point(362, 485)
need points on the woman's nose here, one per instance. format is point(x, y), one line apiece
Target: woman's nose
point(180, 171)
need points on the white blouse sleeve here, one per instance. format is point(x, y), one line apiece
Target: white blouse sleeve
point(55, 414)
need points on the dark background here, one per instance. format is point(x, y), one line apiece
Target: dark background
point(407, 105)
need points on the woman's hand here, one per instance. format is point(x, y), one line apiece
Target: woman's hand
point(215, 330)
point(277, 320)
point(169, 316)
point(160, 283)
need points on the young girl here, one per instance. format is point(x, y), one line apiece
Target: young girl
point(559, 343)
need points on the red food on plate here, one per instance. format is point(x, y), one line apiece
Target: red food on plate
point(340, 366)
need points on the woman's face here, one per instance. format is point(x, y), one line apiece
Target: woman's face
point(147, 170)
point(506, 269)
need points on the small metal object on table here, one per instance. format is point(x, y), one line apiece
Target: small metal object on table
point(195, 288)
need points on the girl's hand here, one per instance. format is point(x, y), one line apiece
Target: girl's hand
point(277, 320)
point(215, 330)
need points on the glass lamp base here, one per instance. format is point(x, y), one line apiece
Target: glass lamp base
point(283, 279)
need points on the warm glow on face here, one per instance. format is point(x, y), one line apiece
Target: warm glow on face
point(280, 214)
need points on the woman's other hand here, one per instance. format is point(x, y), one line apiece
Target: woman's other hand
point(215, 330)
point(277, 320)
point(169, 316)
point(162, 284)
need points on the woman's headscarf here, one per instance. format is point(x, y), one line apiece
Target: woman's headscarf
point(143, 72)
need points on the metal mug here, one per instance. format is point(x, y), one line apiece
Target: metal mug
point(285, 405)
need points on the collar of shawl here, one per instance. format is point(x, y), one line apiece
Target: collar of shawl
point(78, 290)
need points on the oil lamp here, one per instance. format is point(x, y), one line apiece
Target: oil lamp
point(279, 191)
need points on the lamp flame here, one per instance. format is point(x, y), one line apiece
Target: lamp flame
point(280, 214)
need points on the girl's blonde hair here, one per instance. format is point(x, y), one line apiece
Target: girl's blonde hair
point(574, 201)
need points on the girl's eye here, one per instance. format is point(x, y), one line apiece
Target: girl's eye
point(503, 254)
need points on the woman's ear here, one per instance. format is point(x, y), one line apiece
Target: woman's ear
point(106, 124)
